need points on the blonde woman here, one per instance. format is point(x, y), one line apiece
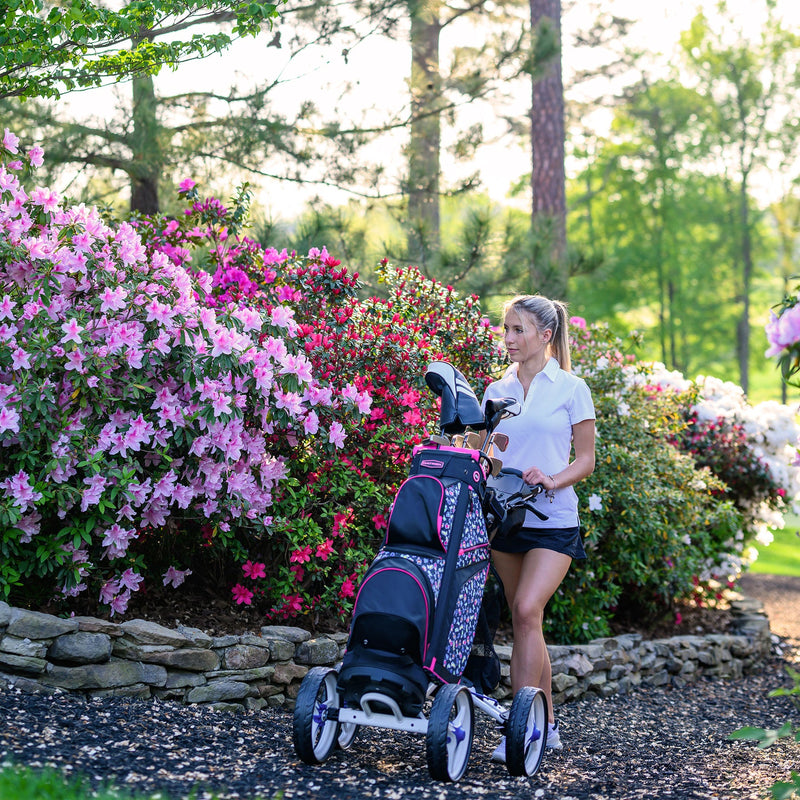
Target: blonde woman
point(551, 442)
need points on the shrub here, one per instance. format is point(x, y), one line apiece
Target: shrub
point(128, 410)
point(650, 517)
point(329, 516)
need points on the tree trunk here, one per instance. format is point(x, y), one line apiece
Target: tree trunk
point(146, 161)
point(743, 328)
point(425, 132)
point(549, 206)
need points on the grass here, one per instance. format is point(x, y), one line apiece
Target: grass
point(23, 783)
point(782, 557)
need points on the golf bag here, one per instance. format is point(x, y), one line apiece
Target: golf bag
point(417, 607)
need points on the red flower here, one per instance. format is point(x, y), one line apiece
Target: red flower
point(257, 570)
point(301, 556)
point(242, 595)
point(325, 549)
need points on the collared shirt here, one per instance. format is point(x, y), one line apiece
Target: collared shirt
point(541, 435)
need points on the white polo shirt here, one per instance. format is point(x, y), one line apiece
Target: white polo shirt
point(541, 435)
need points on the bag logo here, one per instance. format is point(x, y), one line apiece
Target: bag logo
point(476, 476)
point(432, 464)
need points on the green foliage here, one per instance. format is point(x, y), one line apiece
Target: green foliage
point(651, 519)
point(47, 49)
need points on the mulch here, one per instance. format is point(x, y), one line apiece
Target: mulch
point(652, 743)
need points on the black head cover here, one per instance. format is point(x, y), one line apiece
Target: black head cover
point(460, 406)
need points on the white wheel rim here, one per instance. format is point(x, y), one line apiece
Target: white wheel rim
point(458, 732)
point(323, 731)
point(533, 732)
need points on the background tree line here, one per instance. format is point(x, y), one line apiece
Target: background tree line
point(659, 223)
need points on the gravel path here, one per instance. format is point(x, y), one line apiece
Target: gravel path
point(653, 743)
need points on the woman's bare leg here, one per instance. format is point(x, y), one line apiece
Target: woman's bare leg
point(530, 580)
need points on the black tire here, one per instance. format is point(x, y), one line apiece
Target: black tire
point(314, 734)
point(448, 742)
point(526, 732)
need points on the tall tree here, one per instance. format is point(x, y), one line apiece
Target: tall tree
point(548, 191)
point(424, 145)
point(751, 91)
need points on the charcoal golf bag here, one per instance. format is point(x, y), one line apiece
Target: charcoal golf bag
point(417, 607)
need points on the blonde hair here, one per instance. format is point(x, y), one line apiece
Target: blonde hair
point(546, 315)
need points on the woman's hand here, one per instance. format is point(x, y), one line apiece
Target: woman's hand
point(534, 475)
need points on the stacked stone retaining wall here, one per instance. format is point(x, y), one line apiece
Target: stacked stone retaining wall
point(137, 658)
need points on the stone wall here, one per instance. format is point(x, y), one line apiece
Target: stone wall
point(43, 653)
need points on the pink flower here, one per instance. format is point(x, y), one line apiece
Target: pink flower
point(578, 322)
point(412, 417)
point(242, 595)
point(36, 156)
point(19, 487)
point(120, 603)
point(175, 577)
point(292, 603)
point(254, 570)
point(782, 331)
point(11, 142)
point(108, 591)
point(186, 185)
point(6, 304)
point(130, 580)
point(336, 435)
point(112, 299)
point(347, 588)
point(20, 359)
point(410, 398)
point(311, 423)
point(380, 521)
point(72, 332)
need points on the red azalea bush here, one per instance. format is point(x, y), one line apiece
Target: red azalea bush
point(724, 448)
point(330, 515)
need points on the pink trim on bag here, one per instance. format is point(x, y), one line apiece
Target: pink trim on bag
point(475, 454)
point(421, 591)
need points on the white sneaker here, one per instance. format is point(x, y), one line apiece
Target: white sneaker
point(553, 737)
point(499, 754)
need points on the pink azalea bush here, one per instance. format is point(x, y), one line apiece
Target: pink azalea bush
point(129, 405)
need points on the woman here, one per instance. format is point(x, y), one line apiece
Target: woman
point(557, 417)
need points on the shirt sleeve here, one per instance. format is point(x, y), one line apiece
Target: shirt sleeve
point(581, 407)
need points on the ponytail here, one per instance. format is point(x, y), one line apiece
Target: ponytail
point(560, 340)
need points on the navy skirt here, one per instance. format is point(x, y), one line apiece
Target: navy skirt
point(562, 540)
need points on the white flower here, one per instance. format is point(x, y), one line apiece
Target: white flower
point(595, 503)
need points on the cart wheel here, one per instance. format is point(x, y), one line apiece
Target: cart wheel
point(314, 734)
point(526, 732)
point(448, 742)
point(347, 734)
